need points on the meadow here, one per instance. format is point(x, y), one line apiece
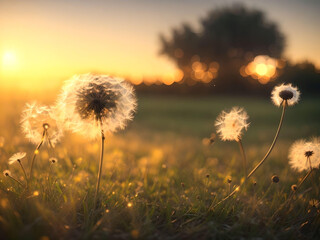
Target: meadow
point(161, 178)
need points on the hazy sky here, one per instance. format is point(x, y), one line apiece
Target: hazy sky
point(44, 42)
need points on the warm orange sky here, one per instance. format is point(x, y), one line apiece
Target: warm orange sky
point(44, 42)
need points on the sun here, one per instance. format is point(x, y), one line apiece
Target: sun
point(9, 60)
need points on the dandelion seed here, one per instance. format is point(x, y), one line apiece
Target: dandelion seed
point(304, 155)
point(88, 100)
point(36, 119)
point(16, 157)
point(230, 125)
point(285, 92)
point(6, 173)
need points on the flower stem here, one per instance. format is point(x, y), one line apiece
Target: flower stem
point(244, 159)
point(36, 152)
point(100, 166)
point(304, 179)
point(24, 172)
point(284, 104)
point(16, 180)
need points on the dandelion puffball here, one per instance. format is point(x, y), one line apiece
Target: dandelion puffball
point(36, 119)
point(285, 92)
point(16, 157)
point(90, 103)
point(303, 155)
point(231, 124)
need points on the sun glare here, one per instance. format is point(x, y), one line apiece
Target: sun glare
point(9, 60)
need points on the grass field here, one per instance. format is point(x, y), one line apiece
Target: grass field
point(160, 181)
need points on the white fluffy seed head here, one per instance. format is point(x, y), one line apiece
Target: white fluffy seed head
point(36, 118)
point(302, 154)
point(230, 125)
point(17, 156)
point(285, 92)
point(88, 100)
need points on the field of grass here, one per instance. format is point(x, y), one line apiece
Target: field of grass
point(160, 181)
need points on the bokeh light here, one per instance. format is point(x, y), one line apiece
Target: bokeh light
point(263, 68)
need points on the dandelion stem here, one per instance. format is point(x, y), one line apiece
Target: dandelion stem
point(227, 197)
point(16, 180)
point(24, 172)
point(304, 179)
point(244, 159)
point(284, 104)
point(100, 165)
point(37, 151)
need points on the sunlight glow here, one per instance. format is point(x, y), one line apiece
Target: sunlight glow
point(263, 68)
point(9, 60)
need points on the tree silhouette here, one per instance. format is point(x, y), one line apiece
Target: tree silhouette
point(231, 37)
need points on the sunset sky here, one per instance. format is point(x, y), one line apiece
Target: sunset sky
point(45, 42)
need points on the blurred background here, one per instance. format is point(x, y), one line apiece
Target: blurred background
point(188, 60)
point(167, 47)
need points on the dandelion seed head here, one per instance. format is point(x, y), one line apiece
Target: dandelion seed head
point(302, 154)
point(285, 92)
point(16, 157)
point(230, 125)
point(6, 173)
point(88, 100)
point(37, 118)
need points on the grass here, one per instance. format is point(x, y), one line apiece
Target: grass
point(160, 181)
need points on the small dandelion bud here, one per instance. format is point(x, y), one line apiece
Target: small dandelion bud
point(53, 160)
point(212, 138)
point(275, 178)
point(285, 92)
point(229, 180)
point(207, 176)
point(6, 173)
point(294, 187)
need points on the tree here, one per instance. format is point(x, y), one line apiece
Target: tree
point(229, 38)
